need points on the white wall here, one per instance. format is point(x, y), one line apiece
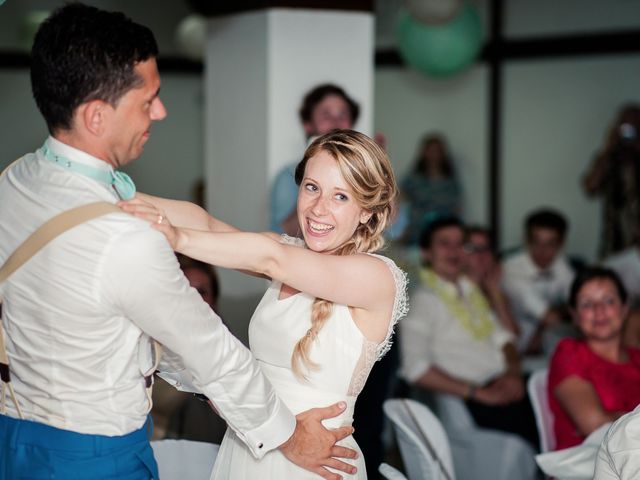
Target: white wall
point(408, 105)
point(556, 116)
point(259, 66)
point(566, 17)
point(22, 129)
point(555, 111)
point(172, 160)
point(307, 48)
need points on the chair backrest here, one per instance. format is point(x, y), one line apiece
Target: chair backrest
point(537, 388)
point(422, 440)
point(454, 414)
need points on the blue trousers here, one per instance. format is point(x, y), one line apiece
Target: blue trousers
point(35, 451)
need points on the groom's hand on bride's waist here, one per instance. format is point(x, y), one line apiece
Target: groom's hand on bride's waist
point(314, 448)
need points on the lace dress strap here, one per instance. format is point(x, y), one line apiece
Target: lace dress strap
point(400, 303)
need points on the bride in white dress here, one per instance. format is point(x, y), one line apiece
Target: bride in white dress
point(329, 311)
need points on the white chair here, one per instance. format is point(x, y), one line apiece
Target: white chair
point(480, 453)
point(537, 388)
point(390, 473)
point(184, 459)
point(422, 440)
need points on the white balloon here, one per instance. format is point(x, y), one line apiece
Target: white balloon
point(434, 12)
point(191, 35)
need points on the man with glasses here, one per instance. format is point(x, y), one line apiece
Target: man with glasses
point(482, 266)
point(452, 342)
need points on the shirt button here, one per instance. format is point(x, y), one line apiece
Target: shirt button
point(260, 445)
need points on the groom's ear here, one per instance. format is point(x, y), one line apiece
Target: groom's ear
point(93, 117)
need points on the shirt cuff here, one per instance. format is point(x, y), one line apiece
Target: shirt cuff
point(182, 381)
point(273, 433)
point(171, 370)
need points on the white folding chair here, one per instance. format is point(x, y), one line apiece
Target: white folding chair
point(480, 453)
point(184, 459)
point(422, 440)
point(537, 388)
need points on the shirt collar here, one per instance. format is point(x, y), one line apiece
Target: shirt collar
point(462, 284)
point(79, 156)
point(531, 269)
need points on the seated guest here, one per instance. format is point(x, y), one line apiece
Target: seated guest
point(482, 267)
point(452, 342)
point(619, 454)
point(594, 380)
point(537, 279)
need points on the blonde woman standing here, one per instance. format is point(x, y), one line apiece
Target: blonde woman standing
point(329, 311)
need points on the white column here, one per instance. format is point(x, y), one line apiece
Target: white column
point(258, 66)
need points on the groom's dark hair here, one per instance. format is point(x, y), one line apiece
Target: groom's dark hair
point(81, 53)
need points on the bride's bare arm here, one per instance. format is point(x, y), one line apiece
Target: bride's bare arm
point(363, 282)
point(359, 280)
point(178, 212)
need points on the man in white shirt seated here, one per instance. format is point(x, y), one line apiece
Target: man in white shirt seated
point(79, 316)
point(451, 341)
point(537, 280)
point(619, 454)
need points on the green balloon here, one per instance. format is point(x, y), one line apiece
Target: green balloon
point(441, 50)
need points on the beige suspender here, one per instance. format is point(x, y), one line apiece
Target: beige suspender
point(32, 245)
point(50, 230)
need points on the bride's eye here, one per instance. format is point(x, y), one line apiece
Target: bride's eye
point(311, 187)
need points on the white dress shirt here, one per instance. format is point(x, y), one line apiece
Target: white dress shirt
point(75, 316)
point(430, 336)
point(532, 291)
point(619, 455)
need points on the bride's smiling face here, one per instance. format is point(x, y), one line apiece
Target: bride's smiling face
point(328, 213)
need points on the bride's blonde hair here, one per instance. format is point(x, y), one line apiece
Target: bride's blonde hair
point(367, 170)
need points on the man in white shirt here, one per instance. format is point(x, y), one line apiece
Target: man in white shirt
point(619, 454)
point(537, 280)
point(78, 317)
point(452, 343)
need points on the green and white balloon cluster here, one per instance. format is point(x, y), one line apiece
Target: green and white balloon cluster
point(439, 37)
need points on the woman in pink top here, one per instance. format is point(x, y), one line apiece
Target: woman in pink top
point(594, 380)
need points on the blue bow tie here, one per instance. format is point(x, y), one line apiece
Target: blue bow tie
point(120, 181)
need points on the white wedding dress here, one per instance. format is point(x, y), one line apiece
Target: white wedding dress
point(345, 358)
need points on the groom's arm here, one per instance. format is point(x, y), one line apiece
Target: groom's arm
point(142, 278)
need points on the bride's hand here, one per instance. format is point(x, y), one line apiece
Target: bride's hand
point(154, 215)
